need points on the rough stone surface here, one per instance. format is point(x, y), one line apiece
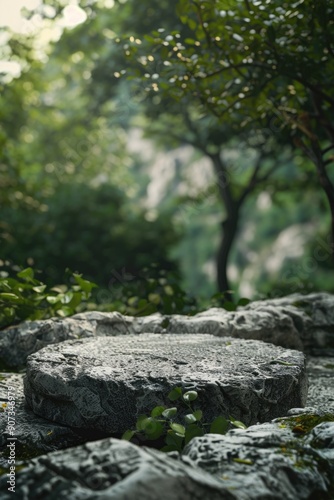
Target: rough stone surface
point(269, 461)
point(303, 322)
point(264, 462)
point(321, 383)
point(17, 342)
point(36, 436)
point(317, 334)
point(114, 470)
point(105, 383)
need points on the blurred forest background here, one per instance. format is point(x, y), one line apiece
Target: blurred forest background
point(142, 142)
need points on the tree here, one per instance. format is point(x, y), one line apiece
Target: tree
point(176, 121)
point(258, 61)
point(68, 193)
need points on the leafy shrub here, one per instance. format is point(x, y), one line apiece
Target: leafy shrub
point(161, 423)
point(91, 230)
point(24, 297)
point(155, 290)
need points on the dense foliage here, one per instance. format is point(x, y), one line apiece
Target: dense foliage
point(24, 297)
point(245, 85)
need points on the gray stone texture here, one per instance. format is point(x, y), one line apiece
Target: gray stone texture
point(114, 470)
point(303, 322)
point(34, 435)
point(269, 461)
point(264, 462)
point(315, 322)
point(321, 383)
point(105, 383)
point(17, 342)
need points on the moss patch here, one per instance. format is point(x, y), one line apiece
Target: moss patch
point(303, 424)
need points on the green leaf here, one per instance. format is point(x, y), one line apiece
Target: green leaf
point(198, 414)
point(85, 285)
point(169, 447)
point(152, 428)
point(26, 274)
point(39, 289)
point(65, 298)
point(190, 419)
point(243, 302)
point(237, 423)
point(128, 435)
point(178, 428)
point(64, 311)
point(139, 423)
point(192, 24)
point(11, 297)
point(192, 431)
point(229, 306)
point(190, 396)
point(53, 299)
point(154, 298)
point(173, 439)
point(157, 411)
point(175, 394)
point(243, 461)
point(169, 412)
point(219, 425)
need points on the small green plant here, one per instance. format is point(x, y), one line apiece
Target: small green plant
point(25, 298)
point(161, 424)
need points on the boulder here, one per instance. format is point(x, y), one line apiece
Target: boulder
point(303, 322)
point(277, 460)
point(115, 470)
point(270, 461)
point(106, 382)
point(17, 342)
point(321, 383)
point(317, 333)
point(34, 435)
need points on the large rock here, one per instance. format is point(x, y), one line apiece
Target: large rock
point(17, 342)
point(275, 460)
point(317, 334)
point(34, 435)
point(114, 470)
point(263, 462)
point(321, 383)
point(303, 322)
point(105, 383)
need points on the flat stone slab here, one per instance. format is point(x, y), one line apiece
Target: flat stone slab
point(106, 382)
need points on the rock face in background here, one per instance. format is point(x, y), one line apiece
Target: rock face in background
point(303, 322)
point(104, 383)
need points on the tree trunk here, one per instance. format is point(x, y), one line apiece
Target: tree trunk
point(229, 230)
point(328, 187)
point(229, 225)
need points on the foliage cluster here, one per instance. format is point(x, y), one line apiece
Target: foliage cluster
point(25, 297)
point(89, 229)
point(163, 423)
